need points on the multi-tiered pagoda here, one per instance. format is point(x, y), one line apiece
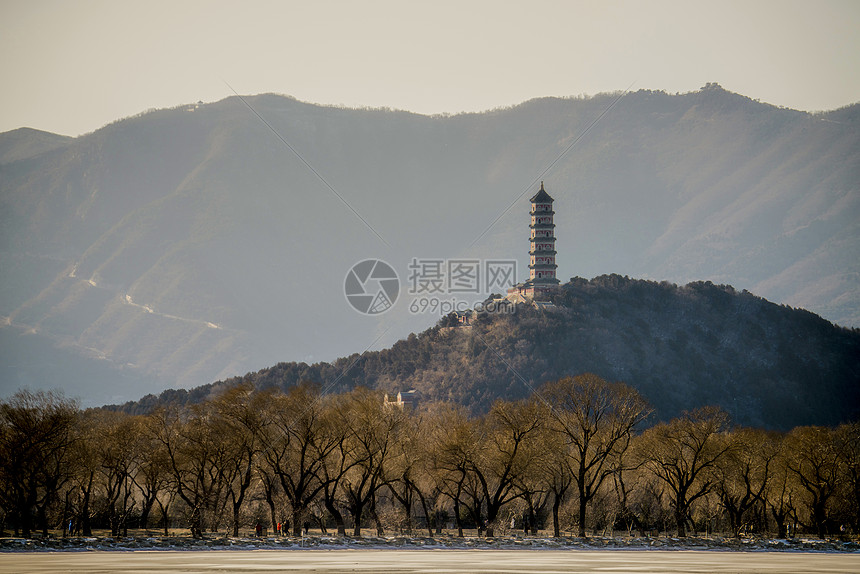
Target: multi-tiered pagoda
point(542, 280)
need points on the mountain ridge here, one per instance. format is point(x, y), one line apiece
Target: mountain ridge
point(132, 241)
point(24, 143)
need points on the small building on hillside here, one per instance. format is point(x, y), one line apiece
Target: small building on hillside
point(464, 318)
point(404, 400)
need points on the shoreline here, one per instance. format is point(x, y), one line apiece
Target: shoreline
point(439, 542)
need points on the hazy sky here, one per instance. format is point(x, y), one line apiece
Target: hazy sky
point(71, 67)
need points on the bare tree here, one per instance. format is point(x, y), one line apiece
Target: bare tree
point(815, 463)
point(596, 419)
point(406, 469)
point(337, 462)
point(556, 474)
point(152, 476)
point(848, 449)
point(506, 454)
point(683, 453)
point(451, 437)
point(83, 467)
point(742, 474)
point(238, 420)
point(298, 439)
point(636, 491)
point(113, 440)
point(783, 491)
point(36, 438)
point(194, 455)
point(371, 432)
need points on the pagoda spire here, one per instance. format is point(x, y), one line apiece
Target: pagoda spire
point(542, 266)
point(542, 279)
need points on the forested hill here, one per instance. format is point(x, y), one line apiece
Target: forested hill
point(681, 347)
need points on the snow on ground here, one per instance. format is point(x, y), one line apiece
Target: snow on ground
point(214, 542)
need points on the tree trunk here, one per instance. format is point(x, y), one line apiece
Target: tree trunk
point(408, 510)
point(270, 501)
point(426, 514)
point(556, 526)
point(492, 515)
point(782, 530)
point(195, 523)
point(64, 521)
point(86, 526)
point(26, 514)
point(680, 522)
point(457, 517)
point(356, 516)
point(583, 502)
point(532, 517)
point(297, 521)
point(43, 517)
point(336, 514)
point(735, 522)
point(125, 510)
point(164, 518)
point(819, 515)
point(145, 511)
point(780, 519)
point(236, 508)
point(114, 519)
point(581, 530)
point(380, 531)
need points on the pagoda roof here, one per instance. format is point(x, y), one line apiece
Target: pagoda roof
point(541, 196)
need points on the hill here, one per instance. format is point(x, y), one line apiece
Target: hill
point(25, 143)
point(187, 245)
point(682, 347)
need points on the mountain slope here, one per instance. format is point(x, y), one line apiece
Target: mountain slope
point(25, 143)
point(191, 244)
point(681, 347)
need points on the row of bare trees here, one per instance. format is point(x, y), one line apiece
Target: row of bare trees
point(575, 456)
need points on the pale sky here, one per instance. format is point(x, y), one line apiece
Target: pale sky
point(72, 66)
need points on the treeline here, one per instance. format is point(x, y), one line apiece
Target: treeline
point(577, 455)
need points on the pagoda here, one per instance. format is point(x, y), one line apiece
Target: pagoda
point(542, 280)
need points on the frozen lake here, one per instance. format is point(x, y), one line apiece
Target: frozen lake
point(436, 561)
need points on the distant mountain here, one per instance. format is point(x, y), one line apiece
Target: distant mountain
point(25, 143)
point(188, 245)
point(681, 347)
